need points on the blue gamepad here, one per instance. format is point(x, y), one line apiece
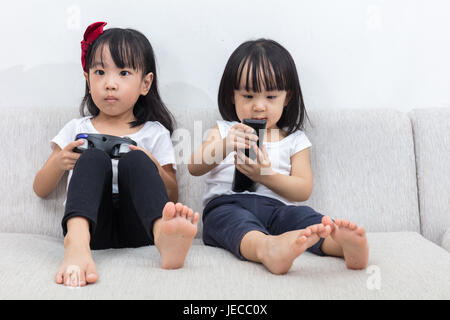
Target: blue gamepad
point(114, 146)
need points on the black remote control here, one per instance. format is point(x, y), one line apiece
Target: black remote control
point(241, 182)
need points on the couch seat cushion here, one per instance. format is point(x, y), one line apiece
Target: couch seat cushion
point(402, 265)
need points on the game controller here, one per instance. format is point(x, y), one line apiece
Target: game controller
point(114, 146)
point(241, 182)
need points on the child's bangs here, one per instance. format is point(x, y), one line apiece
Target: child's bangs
point(123, 55)
point(256, 73)
point(121, 51)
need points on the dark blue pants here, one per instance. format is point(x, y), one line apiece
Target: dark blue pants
point(226, 219)
point(116, 220)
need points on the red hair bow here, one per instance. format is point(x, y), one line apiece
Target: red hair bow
point(92, 32)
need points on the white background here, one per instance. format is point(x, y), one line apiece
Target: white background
point(349, 53)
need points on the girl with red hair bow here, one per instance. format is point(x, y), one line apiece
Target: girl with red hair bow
point(112, 203)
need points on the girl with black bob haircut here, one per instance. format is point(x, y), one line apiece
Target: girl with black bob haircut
point(270, 67)
point(264, 223)
point(130, 49)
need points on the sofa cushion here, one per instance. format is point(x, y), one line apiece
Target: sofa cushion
point(432, 146)
point(26, 135)
point(402, 265)
point(446, 240)
point(364, 168)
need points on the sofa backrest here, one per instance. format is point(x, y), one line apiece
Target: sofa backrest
point(364, 168)
point(26, 135)
point(363, 163)
point(432, 147)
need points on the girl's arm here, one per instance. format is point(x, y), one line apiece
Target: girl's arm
point(215, 148)
point(295, 187)
point(59, 162)
point(169, 178)
point(209, 155)
point(167, 173)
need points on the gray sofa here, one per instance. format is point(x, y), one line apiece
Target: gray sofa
point(386, 170)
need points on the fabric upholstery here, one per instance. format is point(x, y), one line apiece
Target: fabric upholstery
point(432, 150)
point(364, 169)
point(402, 265)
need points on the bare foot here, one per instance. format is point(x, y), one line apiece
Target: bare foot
point(353, 241)
point(78, 267)
point(279, 252)
point(174, 236)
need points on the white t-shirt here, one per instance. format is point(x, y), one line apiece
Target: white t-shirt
point(153, 137)
point(219, 180)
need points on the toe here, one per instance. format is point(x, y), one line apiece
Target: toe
point(306, 232)
point(361, 231)
point(72, 276)
point(190, 214)
point(178, 208)
point(325, 232)
point(91, 274)
point(195, 218)
point(75, 279)
point(66, 279)
point(316, 228)
point(320, 227)
point(326, 220)
point(301, 240)
point(67, 275)
point(169, 210)
point(91, 278)
point(82, 279)
point(184, 212)
point(59, 277)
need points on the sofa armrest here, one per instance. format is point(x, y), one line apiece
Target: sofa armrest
point(446, 240)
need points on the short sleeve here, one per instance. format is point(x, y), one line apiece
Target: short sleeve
point(65, 135)
point(224, 127)
point(301, 142)
point(163, 149)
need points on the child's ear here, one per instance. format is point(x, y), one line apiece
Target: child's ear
point(288, 98)
point(86, 76)
point(147, 83)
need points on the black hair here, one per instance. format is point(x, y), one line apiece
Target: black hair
point(268, 65)
point(130, 49)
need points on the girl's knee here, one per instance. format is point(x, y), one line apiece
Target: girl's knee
point(134, 159)
point(95, 157)
point(294, 217)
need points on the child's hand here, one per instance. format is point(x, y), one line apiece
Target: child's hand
point(67, 158)
point(239, 137)
point(256, 169)
point(133, 147)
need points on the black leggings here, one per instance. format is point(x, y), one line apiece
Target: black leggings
point(116, 220)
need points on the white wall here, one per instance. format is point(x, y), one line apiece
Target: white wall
point(350, 53)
